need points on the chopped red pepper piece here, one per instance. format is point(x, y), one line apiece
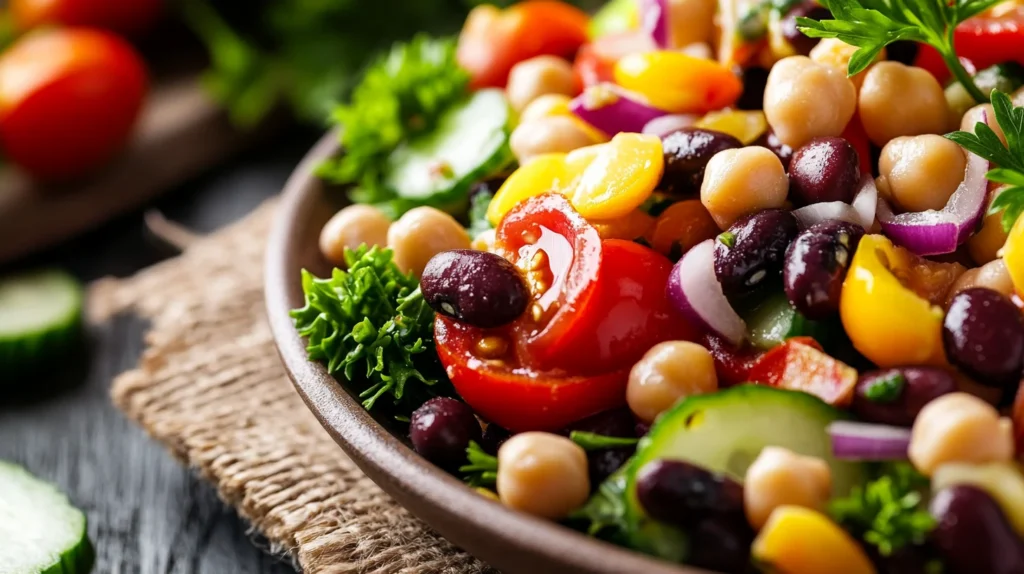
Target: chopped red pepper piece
point(799, 364)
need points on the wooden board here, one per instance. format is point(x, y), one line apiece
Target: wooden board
point(180, 134)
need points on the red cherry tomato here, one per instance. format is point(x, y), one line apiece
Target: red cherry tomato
point(600, 304)
point(494, 40)
point(519, 398)
point(128, 17)
point(595, 62)
point(69, 99)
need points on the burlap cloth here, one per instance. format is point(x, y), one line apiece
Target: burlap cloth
point(211, 388)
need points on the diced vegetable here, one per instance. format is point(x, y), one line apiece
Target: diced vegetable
point(798, 540)
point(800, 365)
point(40, 321)
point(678, 83)
point(694, 291)
point(863, 441)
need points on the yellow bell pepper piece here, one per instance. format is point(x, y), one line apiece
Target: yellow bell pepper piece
point(1013, 255)
point(799, 540)
point(603, 182)
point(678, 83)
point(744, 126)
point(888, 323)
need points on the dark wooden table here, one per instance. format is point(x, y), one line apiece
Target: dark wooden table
point(147, 514)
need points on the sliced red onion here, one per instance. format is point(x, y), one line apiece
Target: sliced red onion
point(861, 212)
point(863, 441)
point(613, 110)
point(940, 232)
point(666, 125)
point(695, 292)
point(654, 20)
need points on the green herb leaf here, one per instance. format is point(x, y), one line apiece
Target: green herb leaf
point(372, 325)
point(401, 95)
point(1010, 157)
point(482, 469)
point(888, 512)
point(886, 389)
point(727, 238)
point(478, 222)
point(604, 515)
point(591, 441)
point(871, 25)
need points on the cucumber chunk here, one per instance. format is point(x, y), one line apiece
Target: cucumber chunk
point(774, 320)
point(40, 532)
point(469, 144)
point(40, 319)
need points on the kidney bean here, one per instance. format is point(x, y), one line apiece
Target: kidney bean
point(687, 153)
point(895, 396)
point(771, 141)
point(983, 333)
point(973, 534)
point(722, 544)
point(441, 429)
point(825, 169)
point(683, 494)
point(474, 287)
point(816, 265)
point(800, 42)
point(753, 249)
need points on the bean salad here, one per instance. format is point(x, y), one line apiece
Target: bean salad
point(733, 283)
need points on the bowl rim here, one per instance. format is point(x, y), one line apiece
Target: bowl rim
point(500, 536)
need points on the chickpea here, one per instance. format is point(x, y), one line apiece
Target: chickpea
point(973, 117)
point(553, 134)
point(739, 182)
point(984, 245)
point(993, 275)
point(921, 172)
point(691, 21)
point(959, 427)
point(837, 53)
point(780, 477)
point(897, 100)
point(422, 233)
point(804, 100)
point(533, 78)
point(350, 228)
point(542, 474)
point(667, 373)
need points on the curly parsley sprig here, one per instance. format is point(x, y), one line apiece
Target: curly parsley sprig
point(1010, 157)
point(871, 25)
point(372, 325)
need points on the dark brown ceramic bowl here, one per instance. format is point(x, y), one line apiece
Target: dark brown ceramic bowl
point(511, 541)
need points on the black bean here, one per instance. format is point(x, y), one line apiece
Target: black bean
point(494, 436)
point(816, 265)
point(474, 287)
point(782, 151)
point(617, 423)
point(896, 396)
point(441, 429)
point(754, 82)
point(826, 169)
point(722, 545)
point(983, 333)
point(684, 495)
point(753, 250)
point(973, 534)
point(801, 42)
point(687, 153)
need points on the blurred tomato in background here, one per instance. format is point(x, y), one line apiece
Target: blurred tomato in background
point(129, 17)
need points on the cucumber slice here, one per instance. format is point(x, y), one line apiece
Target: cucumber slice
point(40, 318)
point(40, 532)
point(469, 144)
point(774, 320)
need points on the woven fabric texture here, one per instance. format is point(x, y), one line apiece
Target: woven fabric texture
point(211, 388)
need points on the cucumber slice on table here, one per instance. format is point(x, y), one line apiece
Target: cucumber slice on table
point(40, 319)
point(725, 432)
point(469, 144)
point(40, 532)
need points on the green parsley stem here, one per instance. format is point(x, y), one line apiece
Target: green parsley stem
point(953, 63)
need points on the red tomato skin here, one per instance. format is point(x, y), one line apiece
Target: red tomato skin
point(989, 41)
point(522, 399)
point(858, 138)
point(799, 364)
point(129, 17)
point(494, 40)
point(69, 99)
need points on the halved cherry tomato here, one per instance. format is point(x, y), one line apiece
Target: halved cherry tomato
point(599, 305)
point(516, 397)
point(800, 364)
point(122, 16)
point(595, 62)
point(494, 40)
point(69, 99)
point(677, 82)
point(980, 42)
